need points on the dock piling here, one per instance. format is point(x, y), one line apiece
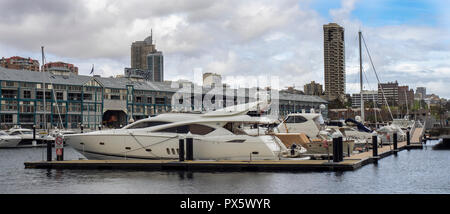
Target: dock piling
point(49, 150)
point(181, 148)
point(34, 142)
point(374, 145)
point(189, 148)
point(408, 140)
point(337, 148)
point(395, 142)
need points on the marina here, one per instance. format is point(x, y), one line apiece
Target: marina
point(353, 162)
point(427, 172)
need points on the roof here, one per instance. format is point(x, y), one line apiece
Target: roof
point(301, 97)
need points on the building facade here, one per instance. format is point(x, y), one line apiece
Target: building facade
point(60, 68)
point(334, 61)
point(405, 96)
point(145, 57)
point(20, 63)
point(93, 101)
point(390, 90)
point(421, 92)
point(368, 96)
point(212, 80)
point(313, 88)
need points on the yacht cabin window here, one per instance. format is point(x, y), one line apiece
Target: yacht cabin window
point(193, 128)
point(147, 124)
point(295, 119)
point(235, 128)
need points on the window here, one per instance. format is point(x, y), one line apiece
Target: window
point(159, 100)
point(147, 124)
point(193, 128)
point(296, 119)
point(27, 94)
point(59, 95)
point(6, 118)
point(115, 97)
point(234, 128)
point(39, 95)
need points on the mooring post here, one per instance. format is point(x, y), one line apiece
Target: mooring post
point(395, 142)
point(337, 147)
point(180, 148)
point(34, 143)
point(49, 150)
point(189, 147)
point(408, 141)
point(374, 144)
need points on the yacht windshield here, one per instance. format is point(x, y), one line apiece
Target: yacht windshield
point(146, 124)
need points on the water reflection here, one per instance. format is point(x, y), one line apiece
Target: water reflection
point(183, 174)
point(413, 167)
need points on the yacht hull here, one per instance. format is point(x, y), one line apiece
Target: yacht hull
point(166, 146)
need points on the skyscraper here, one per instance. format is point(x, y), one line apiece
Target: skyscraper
point(145, 57)
point(334, 61)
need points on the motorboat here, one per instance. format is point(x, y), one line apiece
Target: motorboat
point(308, 130)
point(386, 134)
point(26, 136)
point(307, 123)
point(353, 130)
point(8, 141)
point(217, 135)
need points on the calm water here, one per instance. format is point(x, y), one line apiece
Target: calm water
point(415, 171)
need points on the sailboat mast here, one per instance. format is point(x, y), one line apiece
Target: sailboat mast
point(44, 86)
point(361, 80)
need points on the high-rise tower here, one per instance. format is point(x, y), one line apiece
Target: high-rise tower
point(145, 57)
point(334, 61)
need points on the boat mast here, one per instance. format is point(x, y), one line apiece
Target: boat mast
point(44, 86)
point(361, 80)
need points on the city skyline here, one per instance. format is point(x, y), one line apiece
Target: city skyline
point(252, 38)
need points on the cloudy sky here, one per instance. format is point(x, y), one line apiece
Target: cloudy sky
point(409, 40)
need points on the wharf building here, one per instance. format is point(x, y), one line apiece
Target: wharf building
point(94, 101)
point(334, 61)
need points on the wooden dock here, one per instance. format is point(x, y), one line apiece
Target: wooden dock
point(353, 162)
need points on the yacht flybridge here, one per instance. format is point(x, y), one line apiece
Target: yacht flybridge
point(218, 135)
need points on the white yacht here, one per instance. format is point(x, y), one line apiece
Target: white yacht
point(26, 138)
point(308, 130)
point(307, 123)
point(8, 141)
point(217, 135)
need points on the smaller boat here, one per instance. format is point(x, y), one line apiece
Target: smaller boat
point(7, 141)
point(26, 136)
point(308, 131)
